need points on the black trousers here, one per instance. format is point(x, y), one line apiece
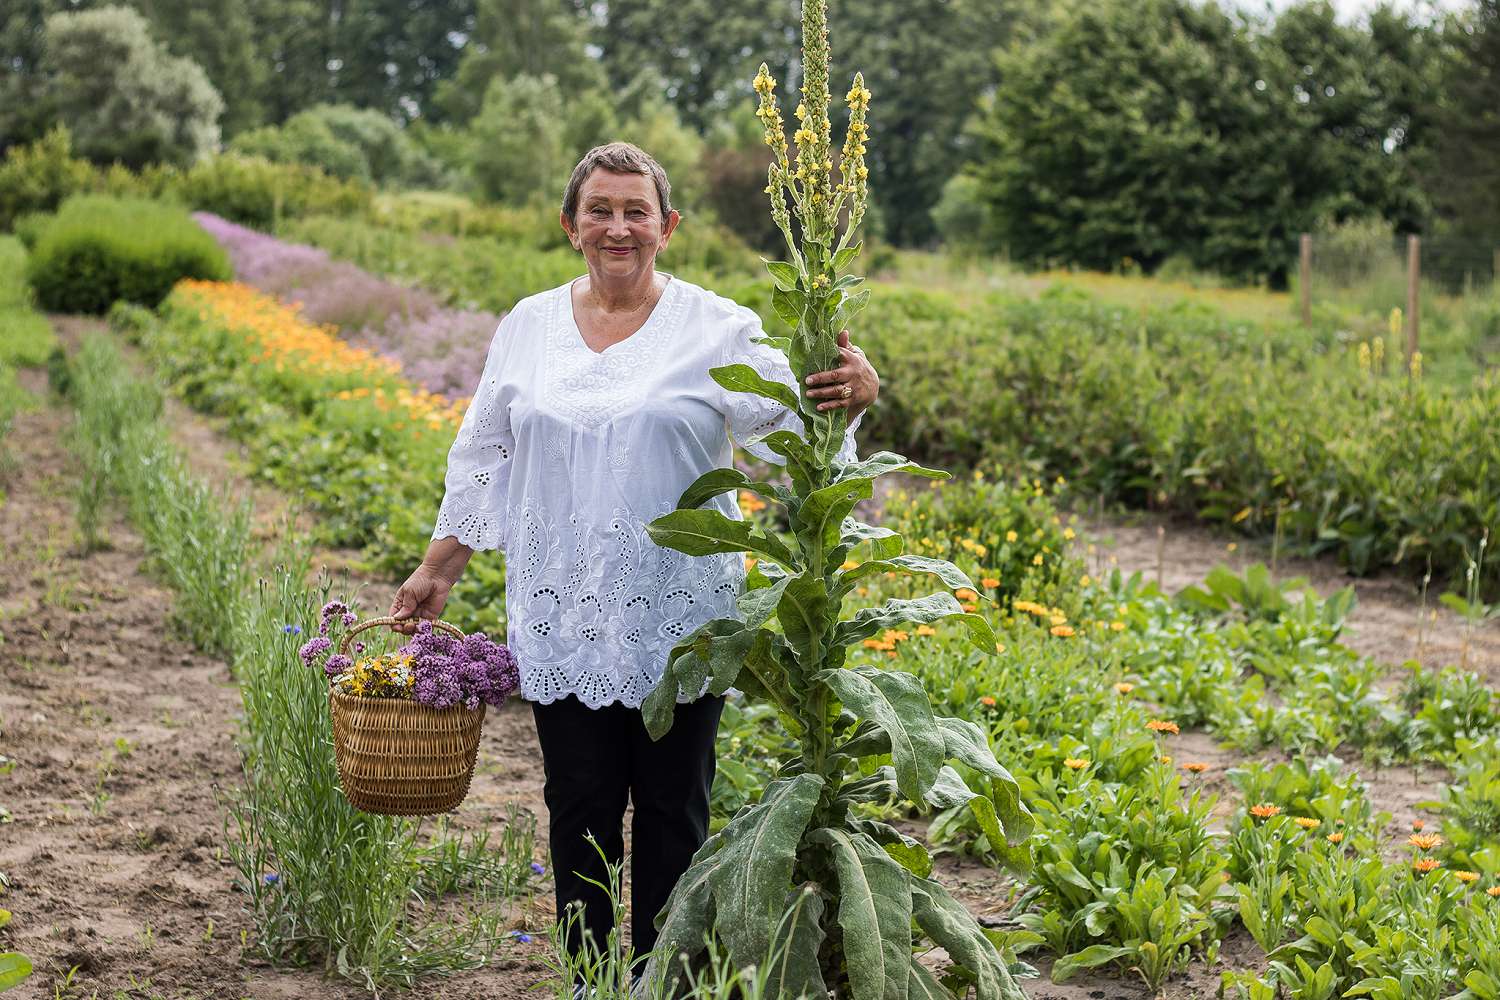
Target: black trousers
point(593, 759)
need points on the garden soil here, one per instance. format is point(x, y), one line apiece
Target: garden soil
point(121, 738)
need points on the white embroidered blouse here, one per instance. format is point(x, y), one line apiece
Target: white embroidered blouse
point(564, 455)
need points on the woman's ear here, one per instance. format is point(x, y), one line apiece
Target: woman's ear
point(567, 225)
point(668, 227)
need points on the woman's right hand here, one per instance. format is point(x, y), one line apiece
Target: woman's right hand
point(422, 596)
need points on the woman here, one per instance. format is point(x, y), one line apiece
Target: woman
point(594, 412)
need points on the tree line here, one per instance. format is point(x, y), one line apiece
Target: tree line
point(1084, 132)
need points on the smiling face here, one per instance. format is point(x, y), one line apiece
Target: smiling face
point(619, 227)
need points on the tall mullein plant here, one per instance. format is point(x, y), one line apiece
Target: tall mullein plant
point(804, 878)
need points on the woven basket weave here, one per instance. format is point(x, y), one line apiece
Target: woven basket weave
point(398, 757)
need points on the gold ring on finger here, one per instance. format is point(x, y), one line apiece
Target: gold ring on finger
point(846, 392)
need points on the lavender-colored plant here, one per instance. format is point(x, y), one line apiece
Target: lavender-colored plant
point(439, 347)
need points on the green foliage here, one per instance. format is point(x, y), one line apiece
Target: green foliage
point(101, 249)
point(344, 142)
point(256, 192)
point(1110, 168)
point(37, 177)
point(123, 96)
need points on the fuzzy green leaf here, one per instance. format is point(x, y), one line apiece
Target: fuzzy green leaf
point(803, 612)
point(758, 605)
point(795, 970)
point(706, 532)
point(786, 275)
point(874, 913)
point(884, 462)
point(788, 305)
point(716, 481)
point(920, 611)
point(1067, 966)
point(884, 542)
point(821, 513)
point(898, 703)
point(952, 927)
point(743, 378)
point(843, 258)
point(920, 984)
point(964, 742)
point(798, 456)
point(713, 654)
point(944, 570)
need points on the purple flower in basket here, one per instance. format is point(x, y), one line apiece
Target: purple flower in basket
point(337, 664)
point(313, 648)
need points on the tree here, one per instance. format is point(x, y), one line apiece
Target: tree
point(219, 36)
point(517, 140)
point(122, 96)
point(513, 38)
point(1464, 176)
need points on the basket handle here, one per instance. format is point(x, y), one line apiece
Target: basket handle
point(452, 630)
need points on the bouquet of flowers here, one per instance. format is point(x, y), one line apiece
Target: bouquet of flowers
point(434, 668)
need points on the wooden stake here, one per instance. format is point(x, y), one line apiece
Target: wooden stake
point(1304, 278)
point(1161, 552)
point(1413, 284)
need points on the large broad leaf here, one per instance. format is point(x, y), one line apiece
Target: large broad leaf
point(786, 275)
point(922, 985)
point(801, 463)
point(1094, 955)
point(908, 852)
point(706, 532)
point(753, 870)
point(920, 611)
point(964, 742)
point(874, 913)
point(716, 481)
point(803, 614)
point(712, 655)
point(951, 791)
point(758, 605)
point(898, 704)
point(795, 971)
point(14, 967)
point(743, 378)
point(884, 462)
point(944, 570)
point(820, 514)
point(953, 928)
point(737, 883)
point(884, 542)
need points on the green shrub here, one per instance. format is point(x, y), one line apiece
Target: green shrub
point(101, 249)
point(257, 192)
point(37, 177)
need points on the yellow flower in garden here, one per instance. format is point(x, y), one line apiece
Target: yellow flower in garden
point(1307, 822)
point(1466, 877)
point(1493, 892)
point(1036, 560)
point(1164, 759)
point(1059, 619)
point(1424, 841)
point(1265, 811)
point(1424, 865)
point(990, 582)
point(926, 630)
point(1124, 687)
point(1062, 631)
point(965, 594)
point(1068, 534)
point(896, 635)
point(847, 565)
point(999, 647)
point(1011, 536)
point(1075, 763)
point(1195, 767)
point(1117, 626)
point(1335, 838)
point(863, 591)
point(873, 644)
point(1163, 726)
point(1084, 580)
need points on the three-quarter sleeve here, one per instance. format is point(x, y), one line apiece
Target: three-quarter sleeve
point(750, 416)
point(476, 485)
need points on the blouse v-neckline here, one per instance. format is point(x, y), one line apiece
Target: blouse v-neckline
point(652, 318)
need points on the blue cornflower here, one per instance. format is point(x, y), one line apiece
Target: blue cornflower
point(536, 867)
point(272, 878)
point(291, 629)
point(521, 936)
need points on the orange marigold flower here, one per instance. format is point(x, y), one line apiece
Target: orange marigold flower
point(1059, 619)
point(1163, 726)
point(1425, 865)
point(1124, 687)
point(1493, 892)
point(989, 581)
point(1076, 763)
point(1335, 838)
point(1424, 841)
point(1265, 811)
point(1197, 767)
point(873, 643)
point(1307, 822)
point(965, 594)
point(1466, 877)
point(1062, 630)
point(1417, 825)
point(1117, 626)
point(969, 606)
point(987, 701)
point(926, 630)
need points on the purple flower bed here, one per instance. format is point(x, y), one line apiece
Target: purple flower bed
point(438, 347)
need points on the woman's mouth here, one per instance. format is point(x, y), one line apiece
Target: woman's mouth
point(619, 251)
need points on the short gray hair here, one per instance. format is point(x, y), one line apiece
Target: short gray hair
point(621, 158)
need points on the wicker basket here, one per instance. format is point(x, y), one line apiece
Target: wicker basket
point(398, 757)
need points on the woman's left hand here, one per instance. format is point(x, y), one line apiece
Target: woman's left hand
point(856, 372)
